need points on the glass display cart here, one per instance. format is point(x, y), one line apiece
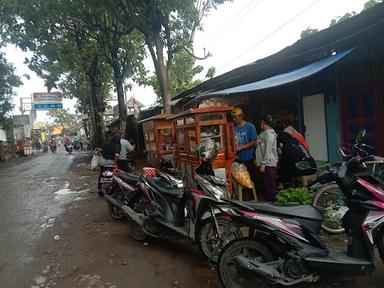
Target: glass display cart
point(158, 137)
point(193, 126)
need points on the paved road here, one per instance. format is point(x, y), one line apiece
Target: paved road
point(28, 206)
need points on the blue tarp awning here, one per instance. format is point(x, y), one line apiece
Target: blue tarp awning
point(281, 79)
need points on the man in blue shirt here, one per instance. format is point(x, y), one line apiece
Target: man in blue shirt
point(245, 138)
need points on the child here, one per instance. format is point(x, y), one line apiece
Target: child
point(266, 157)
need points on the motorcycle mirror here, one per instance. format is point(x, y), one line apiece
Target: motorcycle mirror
point(303, 165)
point(360, 136)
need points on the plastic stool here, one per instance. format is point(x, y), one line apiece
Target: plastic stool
point(240, 189)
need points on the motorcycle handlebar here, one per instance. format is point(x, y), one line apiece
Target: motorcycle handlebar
point(324, 178)
point(368, 158)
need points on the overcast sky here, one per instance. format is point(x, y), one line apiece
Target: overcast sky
point(237, 33)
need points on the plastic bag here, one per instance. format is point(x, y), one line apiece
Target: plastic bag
point(95, 161)
point(241, 175)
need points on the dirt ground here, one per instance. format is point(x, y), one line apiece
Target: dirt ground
point(93, 250)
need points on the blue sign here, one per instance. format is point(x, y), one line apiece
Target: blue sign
point(45, 106)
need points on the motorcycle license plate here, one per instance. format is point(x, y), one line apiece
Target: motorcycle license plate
point(106, 180)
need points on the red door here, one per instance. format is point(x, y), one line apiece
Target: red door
point(362, 108)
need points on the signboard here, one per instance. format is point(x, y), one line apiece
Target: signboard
point(45, 106)
point(46, 101)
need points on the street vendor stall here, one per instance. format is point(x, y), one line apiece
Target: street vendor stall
point(158, 137)
point(193, 126)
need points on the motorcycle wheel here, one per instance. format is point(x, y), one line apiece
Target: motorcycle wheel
point(137, 232)
point(331, 205)
point(115, 212)
point(208, 240)
point(228, 273)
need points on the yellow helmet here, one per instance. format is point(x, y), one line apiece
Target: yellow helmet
point(237, 111)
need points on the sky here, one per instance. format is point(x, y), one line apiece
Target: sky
point(237, 33)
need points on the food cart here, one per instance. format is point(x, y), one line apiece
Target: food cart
point(158, 137)
point(193, 126)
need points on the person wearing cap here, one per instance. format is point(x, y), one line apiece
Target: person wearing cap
point(245, 138)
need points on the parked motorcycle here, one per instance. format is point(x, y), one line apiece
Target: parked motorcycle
point(163, 207)
point(284, 246)
point(118, 193)
point(329, 198)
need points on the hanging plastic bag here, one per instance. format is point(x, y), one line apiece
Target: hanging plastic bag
point(241, 175)
point(95, 161)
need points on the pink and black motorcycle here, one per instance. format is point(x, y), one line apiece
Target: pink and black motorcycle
point(284, 246)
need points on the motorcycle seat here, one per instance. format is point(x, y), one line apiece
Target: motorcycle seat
point(297, 211)
point(164, 187)
point(129, 178)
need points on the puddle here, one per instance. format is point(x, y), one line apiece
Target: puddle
point(65, 191)
point(85, 165)
point(48, 224)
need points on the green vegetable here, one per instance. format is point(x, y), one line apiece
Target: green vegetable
point(294, 195)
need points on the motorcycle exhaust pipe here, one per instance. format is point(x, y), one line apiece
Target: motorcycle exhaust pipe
point(248, 266)
point(136, 217)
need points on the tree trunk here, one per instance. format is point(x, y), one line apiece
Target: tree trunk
point(163, 75)
point(120, 96)
point(118, 73)
point(95, 116)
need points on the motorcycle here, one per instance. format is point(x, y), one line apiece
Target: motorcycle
point(329, 198)
point(45, 147)
point(121, 186)
point(284, 246)
point(68, 147)
point(163, 206)
point(53, 147)
point(76, 146)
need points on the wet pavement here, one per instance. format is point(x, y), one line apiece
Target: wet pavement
point(56, 232)
point(30, 203)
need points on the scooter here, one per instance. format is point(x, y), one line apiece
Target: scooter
point(122, 185)
point(68, 148)
point(163, 207)
point(53, 147)
point(284, 246)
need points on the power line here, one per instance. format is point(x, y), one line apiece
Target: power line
point(237, 14)
point(270, 34)
point(243, 15)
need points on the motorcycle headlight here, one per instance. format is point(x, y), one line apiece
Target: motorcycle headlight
point(107, 173)
point(218, 192)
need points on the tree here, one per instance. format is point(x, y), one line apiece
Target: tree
point(371, 3)
point(339, 19)
point(124, 48)
point(169, 27)
point(307, 32)
point(8, 81)
point(63, 48)
point(62, 117)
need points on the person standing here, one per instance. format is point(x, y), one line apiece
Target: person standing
point(245, 138)
point(266, 157)
point(124, 160)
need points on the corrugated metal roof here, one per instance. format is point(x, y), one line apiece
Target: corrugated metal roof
point(354, 32)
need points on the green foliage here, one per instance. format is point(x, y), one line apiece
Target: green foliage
point(8, 81)
point(371, 3)
point(62, 117)
point(168, 27)
point(307, 32)
point(295, 195)
point(211, 72)
point(339, 19)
